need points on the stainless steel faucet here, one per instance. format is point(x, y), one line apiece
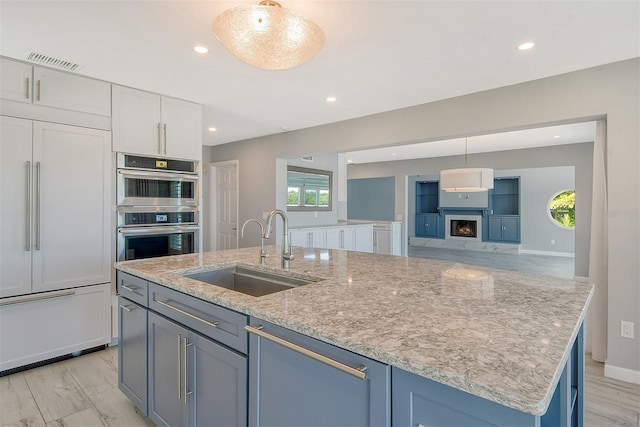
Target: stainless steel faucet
point(263, 252)
point(287, 256)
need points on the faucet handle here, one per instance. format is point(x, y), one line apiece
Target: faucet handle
point(288, 257)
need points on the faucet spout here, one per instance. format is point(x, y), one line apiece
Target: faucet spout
point(287, 256)
point(263, 253)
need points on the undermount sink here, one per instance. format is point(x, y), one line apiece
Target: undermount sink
point(247, 281)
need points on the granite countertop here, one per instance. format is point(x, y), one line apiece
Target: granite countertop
point(500, 335)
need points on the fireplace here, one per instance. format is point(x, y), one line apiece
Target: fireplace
point(463, 227)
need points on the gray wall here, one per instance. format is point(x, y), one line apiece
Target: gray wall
point(371, 198)
point(610, 91)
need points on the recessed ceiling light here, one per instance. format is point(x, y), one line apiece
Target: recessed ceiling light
point(394, 154)
point(212, 129)
point(200, 49)
point(526, 46)
point(556, 136)
point(331, 99)
point(349, 161)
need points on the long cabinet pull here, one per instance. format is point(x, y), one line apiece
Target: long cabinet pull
point(165, 304)
point(358, 372)
point(130, 289)
point(185, 349)
point(37, 206)
point(179, 367)
point(124, 307)
point(37, 298)
point(28, 221)
point(38, 91)
point(159, 139)
point(165, 138)
point(26, 92)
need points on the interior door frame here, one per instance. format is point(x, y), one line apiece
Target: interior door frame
point(213, 203)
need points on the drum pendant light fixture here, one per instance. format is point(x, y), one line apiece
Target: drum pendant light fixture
point(268, 36)
point(466, 180)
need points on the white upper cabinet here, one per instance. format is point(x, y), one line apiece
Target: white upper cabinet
point(50, 88)
point(16, 81)
point(150, 124)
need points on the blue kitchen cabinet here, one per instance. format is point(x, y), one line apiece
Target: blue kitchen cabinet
point(193, 380)
point(293, 383)
point(428, 225)
point(132, 352)
point(504, 228)
point(418, 401)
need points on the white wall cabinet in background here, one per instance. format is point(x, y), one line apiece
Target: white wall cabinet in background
point(50, 88)
point(149, 124)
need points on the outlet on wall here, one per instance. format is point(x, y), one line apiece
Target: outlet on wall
point(626, 329)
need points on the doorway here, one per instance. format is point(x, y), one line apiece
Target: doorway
point(224, 205)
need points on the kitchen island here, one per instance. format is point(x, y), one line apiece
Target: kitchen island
point(502, 339)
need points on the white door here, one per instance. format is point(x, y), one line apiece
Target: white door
point(15, 206)
point(181, 128)
point(136, 122)
point(16, 81)
point(71, 207)
point(226, 205)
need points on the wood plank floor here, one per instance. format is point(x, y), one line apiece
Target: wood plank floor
point(83, 392)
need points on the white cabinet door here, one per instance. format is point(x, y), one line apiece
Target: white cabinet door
point(299, 238)
point(341, 238)
point(317, 238)
point(137, 126)
point(364, 238)
point(182, 128)
point(15, 206)
point(381, 241)
point(72, 170)
point(69, 92)
point(16, 81)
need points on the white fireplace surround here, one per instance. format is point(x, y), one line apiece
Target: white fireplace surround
point(447, 227)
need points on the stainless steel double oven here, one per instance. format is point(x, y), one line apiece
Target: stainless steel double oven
point(157, 207)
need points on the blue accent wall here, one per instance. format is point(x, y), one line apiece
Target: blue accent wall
point(371, 198)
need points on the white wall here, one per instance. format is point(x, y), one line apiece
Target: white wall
point(610, 91)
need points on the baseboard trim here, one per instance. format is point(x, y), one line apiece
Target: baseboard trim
point(622, 374)
point(548, 253)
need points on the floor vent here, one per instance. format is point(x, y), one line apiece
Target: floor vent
point(50, 61)
point(48, 361)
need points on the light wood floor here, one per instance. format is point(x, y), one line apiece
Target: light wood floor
point(83, 392)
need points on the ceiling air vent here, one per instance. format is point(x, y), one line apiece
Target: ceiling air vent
point(307, 158)
point(50, 61)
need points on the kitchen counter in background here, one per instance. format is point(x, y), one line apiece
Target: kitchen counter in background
point(500, 335)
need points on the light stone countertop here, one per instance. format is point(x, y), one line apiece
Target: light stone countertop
point(500, 335)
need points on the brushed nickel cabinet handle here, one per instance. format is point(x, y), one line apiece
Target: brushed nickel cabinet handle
point(131, 289)
point(165, 138)
point(37, 206)
point(27, 88)
point(159, 139)
point(38, 91)
point(129, 309)
point(28, 221)
point(37, 298)
point(185, 350)
point(359, 372)
point(165, 304)
point(179, 367)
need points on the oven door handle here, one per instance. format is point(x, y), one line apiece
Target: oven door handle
point(156, 209)
point(158, 176)
point(145, 231)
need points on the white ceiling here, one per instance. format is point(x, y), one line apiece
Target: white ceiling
point(379, 55)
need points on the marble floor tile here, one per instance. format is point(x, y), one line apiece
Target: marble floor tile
point(92, 373)
point(118, 411)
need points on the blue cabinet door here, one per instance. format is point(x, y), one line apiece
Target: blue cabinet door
point(427, 225)
point(218, 383)
point(511, 229)
point(495, 228)
point(166, 372)
point(292, 388)
point(132, 352)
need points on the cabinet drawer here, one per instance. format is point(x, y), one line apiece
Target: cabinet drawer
point(221, 324)
point(133, 288)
